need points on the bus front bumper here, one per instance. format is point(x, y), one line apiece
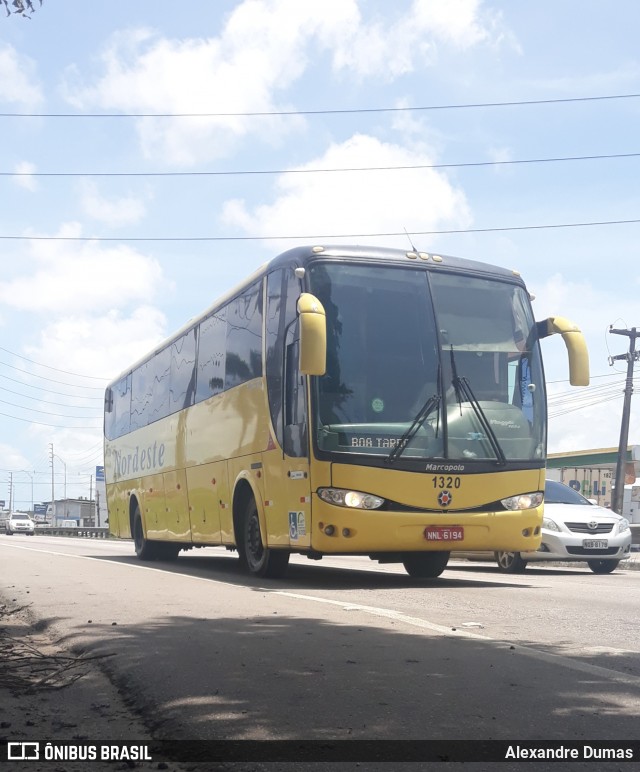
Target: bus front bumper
point(356, 531)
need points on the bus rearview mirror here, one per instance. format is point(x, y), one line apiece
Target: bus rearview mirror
point(576, 347)
point(313, 335)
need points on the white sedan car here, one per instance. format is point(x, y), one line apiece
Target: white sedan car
point(573, 529)
point(19, 522)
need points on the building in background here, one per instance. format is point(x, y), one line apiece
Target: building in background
point(83, 511)
point(592, 472)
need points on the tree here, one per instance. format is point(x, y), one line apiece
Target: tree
point(20, 7)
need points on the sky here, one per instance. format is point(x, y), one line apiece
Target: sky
point(154, 154)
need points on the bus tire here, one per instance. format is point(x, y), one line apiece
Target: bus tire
point(256, 558)
point(167, 552)
point(425, 565)
point(145, 549)
point(510, 562)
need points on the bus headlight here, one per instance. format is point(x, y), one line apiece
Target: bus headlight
point(352, 499)
point(523, 501)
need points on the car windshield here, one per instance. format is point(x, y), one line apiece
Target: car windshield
point(558, 493)
point(20, 517)
point(400, 339)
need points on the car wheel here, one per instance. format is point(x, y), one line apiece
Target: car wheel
point(425, 565)
point(258, 559)
point(603, 566)
point(510, 562)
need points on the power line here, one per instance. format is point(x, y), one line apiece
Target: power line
point(52, 402)
point(334, 170)
point(42, 388)
point(317, 237)
point(346, 111)
point(592, 377)
point(47, 412)
point(52, 380)
point(55, 426)
point(580, 407)
point(603, 388)
point(48, 367)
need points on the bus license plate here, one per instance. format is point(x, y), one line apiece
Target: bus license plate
point(595, 544)
point(444, 533)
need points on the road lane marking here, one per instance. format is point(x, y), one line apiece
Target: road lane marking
point(527, 651)
point(397, 616)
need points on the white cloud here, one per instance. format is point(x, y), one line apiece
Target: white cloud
point(66, 277)
point(371, 202)
point(115, 212)
point(94, 345)
point(100, 345)
point(389, 48)
point(24, 175)
point(263, 49)
point(597, 423)
point(10, 458)
point(17, 79)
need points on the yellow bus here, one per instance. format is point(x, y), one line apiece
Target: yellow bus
point(341, 400)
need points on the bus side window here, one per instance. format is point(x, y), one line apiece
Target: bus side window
point(117, 420)
point(295, 428)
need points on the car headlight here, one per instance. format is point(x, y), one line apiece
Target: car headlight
point(550, 524)
point(352, 499)
point(623, 525)
point(523, 501)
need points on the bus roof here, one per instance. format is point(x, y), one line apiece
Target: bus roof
point(301, 256)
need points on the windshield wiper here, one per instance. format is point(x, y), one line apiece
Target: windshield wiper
point(420, 418)
point(462, 389)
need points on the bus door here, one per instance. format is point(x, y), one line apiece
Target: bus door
point(296, 446)
point(286, 461)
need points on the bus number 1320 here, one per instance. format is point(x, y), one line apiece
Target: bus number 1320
point(440, 481)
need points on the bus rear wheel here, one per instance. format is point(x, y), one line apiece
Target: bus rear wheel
point(258, 559)
point(145, 549)
point(425, 565)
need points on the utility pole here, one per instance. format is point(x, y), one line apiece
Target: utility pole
point(10, 491)
point(631, 357)
point(92, 514)
point(53, 494)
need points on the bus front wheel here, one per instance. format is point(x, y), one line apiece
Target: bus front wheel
point(258, 559)
point(425, 565)
point(510, 562)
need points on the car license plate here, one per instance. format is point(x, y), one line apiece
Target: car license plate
point(444, 533)
point(595, 544)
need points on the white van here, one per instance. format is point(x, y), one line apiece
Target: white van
point(69, 524)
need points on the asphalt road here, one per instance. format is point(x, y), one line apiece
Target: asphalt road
point(344, 648)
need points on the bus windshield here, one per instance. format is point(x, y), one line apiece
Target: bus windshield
point(427, 364)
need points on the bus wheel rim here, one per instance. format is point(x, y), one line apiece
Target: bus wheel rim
point(255, 549)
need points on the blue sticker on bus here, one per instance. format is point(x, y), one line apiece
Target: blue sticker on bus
point(293, 525)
